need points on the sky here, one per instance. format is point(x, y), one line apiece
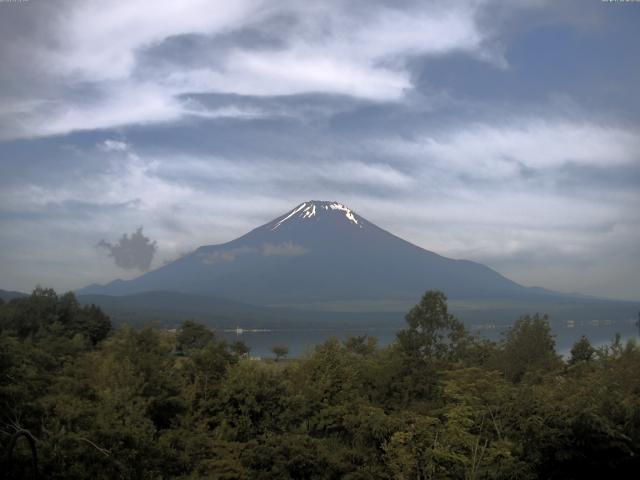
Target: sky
point(501, 132)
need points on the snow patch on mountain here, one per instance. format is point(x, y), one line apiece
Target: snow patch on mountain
point(291, 214)
point(311, 209)
point(348, 213)
point(309, 212)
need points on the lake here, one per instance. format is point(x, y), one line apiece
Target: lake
point(302, 340)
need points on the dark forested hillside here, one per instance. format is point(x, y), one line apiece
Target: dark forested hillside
point(82, 400)
point(7, 295)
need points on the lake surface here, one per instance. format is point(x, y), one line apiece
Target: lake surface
point(301, 341)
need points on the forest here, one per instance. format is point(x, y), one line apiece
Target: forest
point(80, 399)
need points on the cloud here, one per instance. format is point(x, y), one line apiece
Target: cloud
point(109, 145)
point(132, 252)
point(113, 107)
point(211, 258)
point(93, 74)
point(191, 107)
point(344, 171)
point(521, 148)
point(102, 45)
point(285, 249)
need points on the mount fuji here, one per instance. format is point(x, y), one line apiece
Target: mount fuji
point(321, 252)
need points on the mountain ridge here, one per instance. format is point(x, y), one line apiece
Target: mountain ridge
point(320, 251)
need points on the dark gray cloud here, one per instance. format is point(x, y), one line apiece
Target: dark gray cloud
point(133, 251)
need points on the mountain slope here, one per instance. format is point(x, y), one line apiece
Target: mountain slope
point(171, 308)
point(7, 295)
point(320, 252)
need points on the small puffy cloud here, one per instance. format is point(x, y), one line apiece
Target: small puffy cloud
point(133, 251)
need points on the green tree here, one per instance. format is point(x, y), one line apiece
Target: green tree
point(204, 370)
point(330, 383)
point(92, 323)
point(240, 349)
point(193, 336)
point(288, 456)
point(26, 316)
point(433, 338)
point(252, 400)
point(529, 346)
point(361, 345)
point(582, 351)
point(44, 314)
point(432, 331)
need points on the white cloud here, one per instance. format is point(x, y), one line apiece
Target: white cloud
point(342, 171)
point(492, 151)
point(332, 48)
point(134, 104)
point(113, 146)
point(98, 43)
point(194, 108)
point(331, 52)
point(124, 105)
point(432, 31)
point(290, 73)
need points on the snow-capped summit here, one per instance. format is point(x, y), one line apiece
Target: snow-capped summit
point(313, 209)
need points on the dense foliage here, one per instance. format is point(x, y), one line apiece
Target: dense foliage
point(78, 400)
